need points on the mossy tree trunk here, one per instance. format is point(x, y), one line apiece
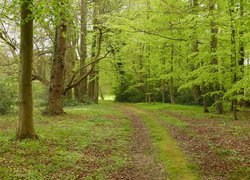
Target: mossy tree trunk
point(26, 126)
point(55, 106)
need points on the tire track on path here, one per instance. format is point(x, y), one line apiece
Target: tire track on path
point(144, 163)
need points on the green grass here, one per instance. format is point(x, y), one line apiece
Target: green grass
point(94, 139)
point(192, 111)
point(239, 128)
point(175, 163)
point(62, 149)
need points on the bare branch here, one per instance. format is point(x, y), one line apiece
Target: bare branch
point(72, 83)
point(77, 82)
point(42, 80)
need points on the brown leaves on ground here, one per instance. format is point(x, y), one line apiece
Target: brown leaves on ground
point(213, 145)
point(143, 163)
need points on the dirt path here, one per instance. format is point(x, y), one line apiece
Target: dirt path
point(144, 164)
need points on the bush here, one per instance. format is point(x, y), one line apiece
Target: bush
point(40, 94)
point(68, 102)
point(127, 93)
point(7, 98)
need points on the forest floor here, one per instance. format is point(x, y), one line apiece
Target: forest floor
point(129, 141)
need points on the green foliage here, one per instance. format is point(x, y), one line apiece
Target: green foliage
point(8, 96)
point(40, 94)
point(128, 93)
point(158, 46)
point(70, 102)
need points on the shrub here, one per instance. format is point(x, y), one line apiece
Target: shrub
point(7, 97)
point(68, 102)
point(128, 93)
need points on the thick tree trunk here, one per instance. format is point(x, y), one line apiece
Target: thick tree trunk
point(70, 57)
point(26, 127)
point(83, 53)
point(55, 106)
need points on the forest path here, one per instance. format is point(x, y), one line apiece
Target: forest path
point(144, 159)
point(219, 148)
point(128, 141)
point(151, 144)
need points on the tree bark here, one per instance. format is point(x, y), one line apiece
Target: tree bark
point(213, 46)
point(83, 49)
point(203, 89)
point(171, 83)
point(26, 126)
point(92, 76)
point(195, 49)
point(96, 88)
point(91, 88)
point(55, 106)
point(241, 48)
point(70, 58)
point(233, 56)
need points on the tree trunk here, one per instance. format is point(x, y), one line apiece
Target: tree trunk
point(213, 45)
point(92, 76)
point(76, 92)
point(241, 48)
point(195, 49)
point(102, 96)
point(83, 53)
point(171, 90)
point(203, 88)
point(26, 126)
point(233, 55)
point(70, 58)
point(196, 94)
point(55, 106)
point(91, 88)
point(171, 83)
point(96, 88)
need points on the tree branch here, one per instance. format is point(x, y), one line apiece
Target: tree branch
point(159, 35)
point(72, 83)
point(36, 77)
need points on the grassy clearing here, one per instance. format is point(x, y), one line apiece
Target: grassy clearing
point(176, 165)
point(88, 142)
